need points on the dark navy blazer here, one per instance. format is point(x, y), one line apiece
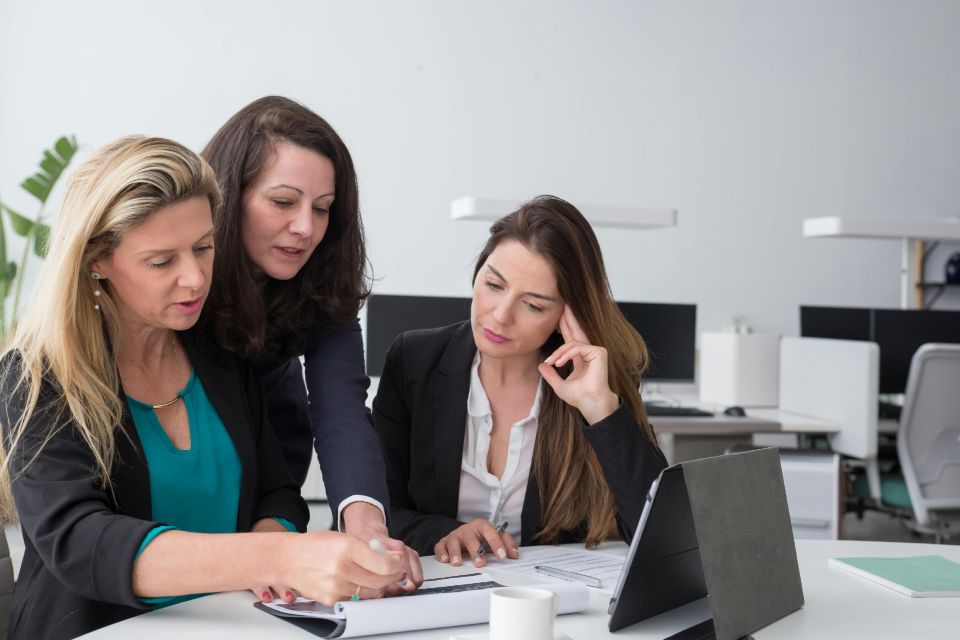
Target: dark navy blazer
point(333, 418)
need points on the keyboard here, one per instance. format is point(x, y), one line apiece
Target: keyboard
point(668, 411)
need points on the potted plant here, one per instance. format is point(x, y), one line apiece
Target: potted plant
point(34, 231)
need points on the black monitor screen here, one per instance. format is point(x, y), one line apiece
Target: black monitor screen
point(900, 332)
point(839, 323)
point(670, 331)
point(389, 316)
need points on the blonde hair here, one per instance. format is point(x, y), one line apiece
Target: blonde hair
point(63, 342)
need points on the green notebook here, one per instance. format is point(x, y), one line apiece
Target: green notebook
point(915, 576)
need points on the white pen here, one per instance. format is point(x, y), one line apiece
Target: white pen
point(573, 576)
point(377, 546)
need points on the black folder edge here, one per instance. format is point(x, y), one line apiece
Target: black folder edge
point(320, 627)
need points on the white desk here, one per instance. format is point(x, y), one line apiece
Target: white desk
point(838, 605)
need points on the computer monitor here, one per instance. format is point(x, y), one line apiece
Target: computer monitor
point(898, 333)
point(838, 323)
point(670, 331)
point(389, 316)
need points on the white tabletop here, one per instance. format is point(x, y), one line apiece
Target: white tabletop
point(838, 605)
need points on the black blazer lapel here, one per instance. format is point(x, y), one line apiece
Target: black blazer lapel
point(530, 516)
point(220, 382)
point(451, 386)
point(131, 477)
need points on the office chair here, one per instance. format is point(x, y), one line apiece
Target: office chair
point(928, 440)
point(6, 584)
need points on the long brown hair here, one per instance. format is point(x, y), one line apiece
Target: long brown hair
point(275, 319)
point(572, 487)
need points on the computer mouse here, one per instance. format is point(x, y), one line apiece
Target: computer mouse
point(736, 412)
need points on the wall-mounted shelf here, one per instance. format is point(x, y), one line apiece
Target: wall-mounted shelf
point(490, 209)
point(938, 289)
point(911, 233)
point(835, 227)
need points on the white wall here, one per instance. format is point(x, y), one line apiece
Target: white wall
point(745, 116)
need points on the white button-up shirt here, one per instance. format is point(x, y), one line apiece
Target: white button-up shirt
point(482, 494)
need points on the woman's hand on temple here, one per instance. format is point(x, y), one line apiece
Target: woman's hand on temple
point(587, 387)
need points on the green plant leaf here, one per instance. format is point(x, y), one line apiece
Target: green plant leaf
point(52, 164)
point(38, 186)
point(41, 240)
point(7, 275)
point(3, 257)
point(66, 148)
point(20, 224)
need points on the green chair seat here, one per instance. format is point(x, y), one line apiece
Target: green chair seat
point(893, 490)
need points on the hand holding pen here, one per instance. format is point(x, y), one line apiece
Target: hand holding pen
point(484, 548)
point(476, 540)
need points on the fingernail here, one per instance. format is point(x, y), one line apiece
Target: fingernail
point(288, 594)
point(501, 553)
point(265, 596)
point(402, 583)
point(456, 559)
point(443, 558)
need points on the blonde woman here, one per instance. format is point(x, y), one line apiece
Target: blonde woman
point(132, 448)
point(523, 425)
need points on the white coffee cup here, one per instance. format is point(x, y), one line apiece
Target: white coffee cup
point(522, 613)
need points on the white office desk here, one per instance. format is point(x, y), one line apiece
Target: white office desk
point(838, 605)
point(688, 438)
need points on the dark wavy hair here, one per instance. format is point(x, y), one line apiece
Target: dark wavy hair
point(573, 490)
point(275, 319)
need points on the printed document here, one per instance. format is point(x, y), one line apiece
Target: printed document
point(605, 567)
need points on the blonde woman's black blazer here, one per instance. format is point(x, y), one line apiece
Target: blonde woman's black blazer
point(420, 413)
point(81, 541)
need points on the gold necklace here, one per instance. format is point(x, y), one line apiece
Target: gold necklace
point(179, 395)
point(167, 404)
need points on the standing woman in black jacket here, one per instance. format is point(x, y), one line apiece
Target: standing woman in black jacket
point(525, 423)
point(291, 276)
point(130, 445)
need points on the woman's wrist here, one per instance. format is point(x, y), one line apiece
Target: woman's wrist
point(282, 565)
point(594, 410)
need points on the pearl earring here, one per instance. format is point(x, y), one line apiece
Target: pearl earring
point(96, 292)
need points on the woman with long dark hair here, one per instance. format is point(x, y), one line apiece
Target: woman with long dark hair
point(291, 276)
point(523, 424)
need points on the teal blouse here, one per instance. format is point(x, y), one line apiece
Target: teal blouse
point(195, 489)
